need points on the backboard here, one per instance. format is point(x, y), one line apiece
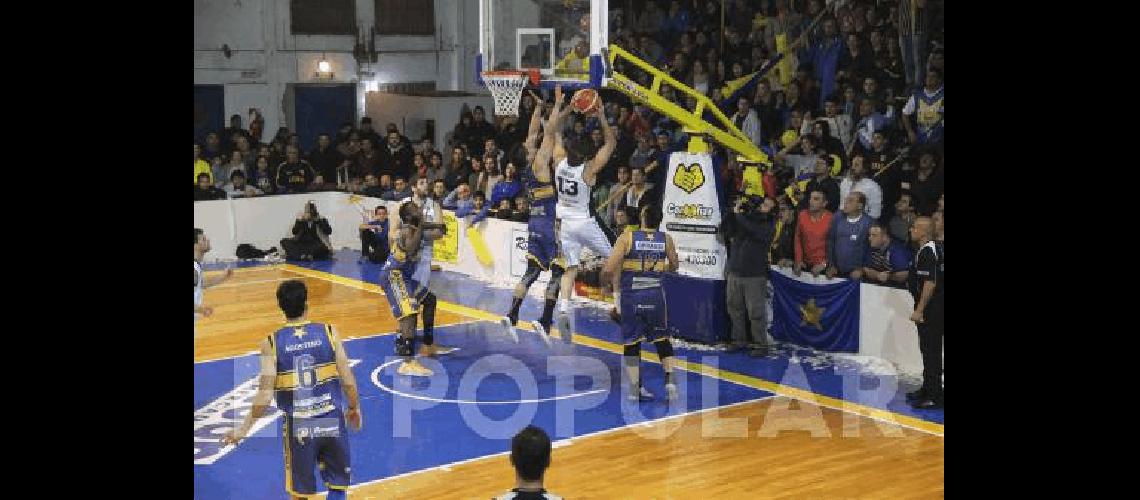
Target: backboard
point(564, 39)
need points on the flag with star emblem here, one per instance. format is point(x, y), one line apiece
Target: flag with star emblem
point(821, 316)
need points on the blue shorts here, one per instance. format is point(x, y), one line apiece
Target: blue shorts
point(320, 442)
point(404, 294)
point(542, 243)
point(643, 315)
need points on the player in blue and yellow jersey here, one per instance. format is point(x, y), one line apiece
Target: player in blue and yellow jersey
point(405, 295)
point(638, 263)
point(542, 241)
point(304, 364)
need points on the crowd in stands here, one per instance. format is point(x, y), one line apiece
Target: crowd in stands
point(862, 114)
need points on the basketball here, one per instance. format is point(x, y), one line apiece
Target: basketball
point(585, 101)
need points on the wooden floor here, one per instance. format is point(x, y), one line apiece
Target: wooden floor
point(703, 455)
point(706, 456)
point(245, 311)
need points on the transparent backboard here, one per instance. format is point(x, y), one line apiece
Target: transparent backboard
point(558, 37)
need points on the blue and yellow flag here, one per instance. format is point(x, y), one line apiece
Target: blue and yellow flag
point(821, 316)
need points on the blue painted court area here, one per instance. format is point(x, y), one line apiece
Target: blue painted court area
point(877, 390)
point(480, 396)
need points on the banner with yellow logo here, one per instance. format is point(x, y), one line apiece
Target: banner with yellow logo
point(446, 249)
point(691, 215)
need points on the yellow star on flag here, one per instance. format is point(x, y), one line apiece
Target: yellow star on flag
point(812, 314)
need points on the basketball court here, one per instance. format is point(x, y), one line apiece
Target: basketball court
point(743, 426)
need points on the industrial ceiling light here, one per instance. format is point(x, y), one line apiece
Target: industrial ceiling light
point(324, 69)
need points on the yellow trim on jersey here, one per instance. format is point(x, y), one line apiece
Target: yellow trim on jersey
point(542, 193)
point(635, 265)
point(296, 323)
point(404, 304)
point(530, 256)
point(288, 461)
point(287, 381)
point(336, 487)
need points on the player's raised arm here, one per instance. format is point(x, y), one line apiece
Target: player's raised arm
point(532, 133)
point(265, 385)
point(347, 381)
point(607, 150)
point(550, 138)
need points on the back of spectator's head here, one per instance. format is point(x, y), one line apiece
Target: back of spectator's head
point(530, 453)
point(203, 180)
point(366, 121)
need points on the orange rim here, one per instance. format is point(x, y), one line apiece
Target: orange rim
point(533, 74)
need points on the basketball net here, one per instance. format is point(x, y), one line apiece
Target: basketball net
point(506, 89)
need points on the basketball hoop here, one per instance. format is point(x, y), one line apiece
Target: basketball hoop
point(507, 88)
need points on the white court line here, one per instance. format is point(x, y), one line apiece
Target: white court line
point(223, 358)
point(563, 442)
point(225, 285)
point(376, 380)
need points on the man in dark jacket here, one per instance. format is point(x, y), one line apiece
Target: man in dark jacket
point(310, 234)
point(749, 235)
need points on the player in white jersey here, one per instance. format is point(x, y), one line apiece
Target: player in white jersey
point(201, 283)
point(432, 213)
point(575, 175)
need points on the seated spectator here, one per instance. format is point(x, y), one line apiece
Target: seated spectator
point(310, 239)
point(508, 188)
point(366, 161)
point(838, 123)
point(615, 195)
point(522, 209)
point(887, 260)
point(205, 189)
point(459, 199)
point(458, 168)
point(435, 170)
point(401, 191)
point(504, 210)
point(478, 208)
point(213, 147)
point(372, 187)
point(295, 174)
point(201, 166)
point(857, 180)
point(812, 227)
point(821, 180)
point(625, 219)
point(374, 236)
point(530, 456)
point(901, 222)
point(438, 191)
point(237, 188)
point(325, 161)
point(395, 157)
point(870, 121)
point(263, 177)
point(218, 170)
point(236, 163)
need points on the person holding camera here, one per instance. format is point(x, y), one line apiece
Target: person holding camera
point(749, 234)
point(310, 239)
